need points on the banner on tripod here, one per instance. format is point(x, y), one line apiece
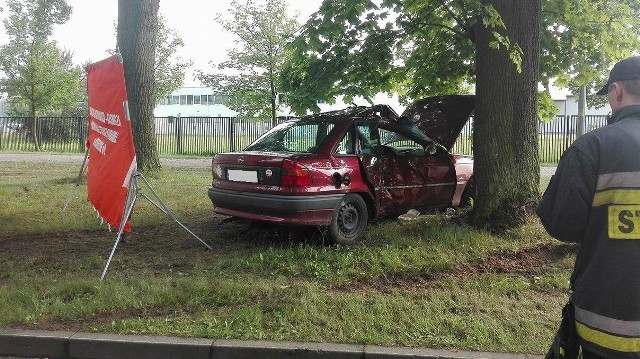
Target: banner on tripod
point(112, 156)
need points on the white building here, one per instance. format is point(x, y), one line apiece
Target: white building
point(194, 102)
point(203, 102)
point(568, 105)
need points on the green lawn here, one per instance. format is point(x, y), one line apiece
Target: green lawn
point(433, 283)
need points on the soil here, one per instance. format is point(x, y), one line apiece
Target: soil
point(172, 248)
point(176, 249)
point(529, 262)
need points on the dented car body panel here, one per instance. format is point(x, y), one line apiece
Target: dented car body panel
point(301, 172)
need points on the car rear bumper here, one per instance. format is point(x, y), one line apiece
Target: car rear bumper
point(304, 210)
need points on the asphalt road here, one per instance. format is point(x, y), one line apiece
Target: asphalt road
point(201, 162)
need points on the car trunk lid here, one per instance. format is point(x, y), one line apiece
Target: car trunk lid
point(264, 168)
point(441, 118)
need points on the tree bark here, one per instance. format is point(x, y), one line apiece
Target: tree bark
point(507, 169)
point(137, 28)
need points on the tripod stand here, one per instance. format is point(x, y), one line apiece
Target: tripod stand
point(135, 191)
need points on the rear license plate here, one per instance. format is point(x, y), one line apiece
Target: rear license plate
point(242, 176)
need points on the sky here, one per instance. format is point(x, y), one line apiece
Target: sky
point(90, 32)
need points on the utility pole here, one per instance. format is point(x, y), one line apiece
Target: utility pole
point(582, 109)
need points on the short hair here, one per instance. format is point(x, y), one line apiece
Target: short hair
point(632, 87)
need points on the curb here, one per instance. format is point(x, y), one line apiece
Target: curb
point(48, 344)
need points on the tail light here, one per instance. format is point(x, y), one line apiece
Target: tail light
point(294, 174)
point(216, 172)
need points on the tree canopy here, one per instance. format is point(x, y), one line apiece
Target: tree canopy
point(251, 75)
point(581, 40)
point(170, 66)
point(421, 48)
point(37, 75)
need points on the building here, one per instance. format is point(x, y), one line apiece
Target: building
point(194, 102)
point(203, 102)
point(568, 105)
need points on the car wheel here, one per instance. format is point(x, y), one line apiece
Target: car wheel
point(349, 220)
point(469, 194)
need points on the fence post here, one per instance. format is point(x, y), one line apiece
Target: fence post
point(38, 132)
point(178, 134)
point(567, 142)
point(232, 142)
point(81, 141)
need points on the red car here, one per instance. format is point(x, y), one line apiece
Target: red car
point(342, 168)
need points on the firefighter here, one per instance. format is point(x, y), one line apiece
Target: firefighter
point(594, 200)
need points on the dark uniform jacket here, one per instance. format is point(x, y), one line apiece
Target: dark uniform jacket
point(594, 199)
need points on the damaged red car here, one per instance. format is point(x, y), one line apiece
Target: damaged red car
point(342, 169)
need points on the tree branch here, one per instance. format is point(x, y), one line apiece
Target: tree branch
point(460, 21)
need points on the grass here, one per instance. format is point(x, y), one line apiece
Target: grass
point(431, 283)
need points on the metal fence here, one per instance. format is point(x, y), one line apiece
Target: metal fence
point(205, 136)
point(60, 134)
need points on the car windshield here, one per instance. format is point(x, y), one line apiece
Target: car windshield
point(303, 137)
point(405, 130)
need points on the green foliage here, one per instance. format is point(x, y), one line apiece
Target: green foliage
point(170, 67)
point(547, 109)
point(39, 77)
point(360, 48)
point(250, 76)
point(425, 48)
point(581, 40)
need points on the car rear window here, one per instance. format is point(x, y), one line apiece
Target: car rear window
point(303, 137)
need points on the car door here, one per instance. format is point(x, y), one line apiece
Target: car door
point(410, 177)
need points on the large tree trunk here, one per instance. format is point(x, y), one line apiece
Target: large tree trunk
point(137, 27)
point(505, 134)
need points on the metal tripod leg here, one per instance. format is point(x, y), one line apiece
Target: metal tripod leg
point(134, 191)
point(162, 207)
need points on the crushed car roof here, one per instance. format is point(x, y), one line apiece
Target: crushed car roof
point(439, 119)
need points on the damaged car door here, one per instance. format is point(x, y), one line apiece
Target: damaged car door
point(413, 176)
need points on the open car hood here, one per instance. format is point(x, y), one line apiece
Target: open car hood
point(441, 118)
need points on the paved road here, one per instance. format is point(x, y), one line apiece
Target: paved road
point(201, 162)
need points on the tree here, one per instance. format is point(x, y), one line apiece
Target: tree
point(505, 132)
point(38, 76)
point(583, 39)
point(422, 48)
point(136, 38)
point(169, 67)
point(251, 75)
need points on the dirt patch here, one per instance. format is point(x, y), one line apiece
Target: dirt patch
point(166, 248)
point(528, 262)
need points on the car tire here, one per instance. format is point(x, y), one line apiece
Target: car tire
point(349, 220)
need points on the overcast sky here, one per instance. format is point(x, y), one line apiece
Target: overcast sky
point(90, 32)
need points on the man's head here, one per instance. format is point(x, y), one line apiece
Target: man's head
point(623, 87)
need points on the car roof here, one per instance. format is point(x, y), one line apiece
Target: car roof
point(374, 112)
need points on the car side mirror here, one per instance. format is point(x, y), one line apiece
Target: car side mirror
point(431, 149)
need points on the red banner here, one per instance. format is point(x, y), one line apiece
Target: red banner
point(112, 156)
